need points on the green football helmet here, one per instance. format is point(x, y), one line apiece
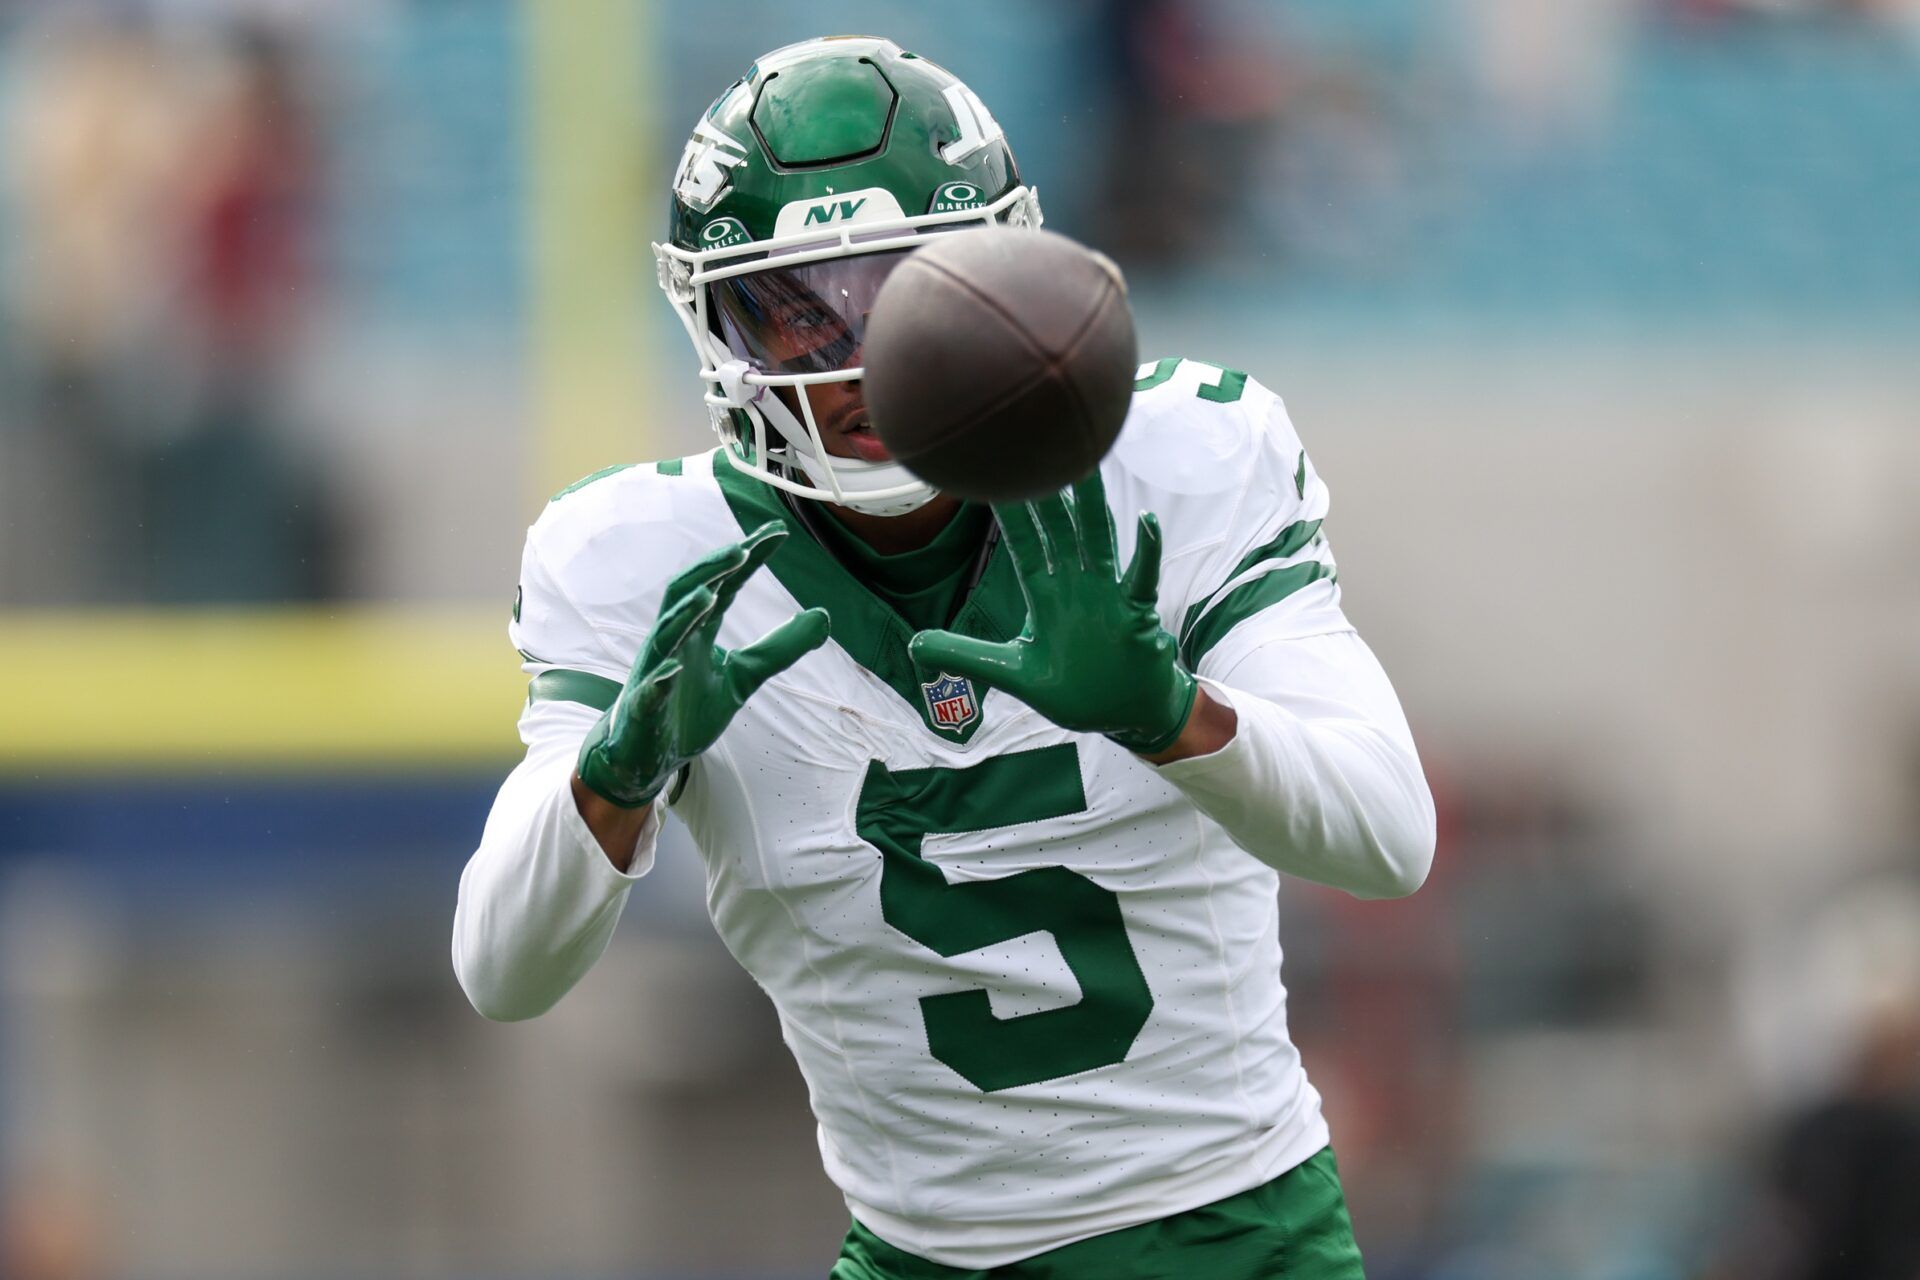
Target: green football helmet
point(800, 189)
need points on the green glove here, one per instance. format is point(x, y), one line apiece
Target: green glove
point(1093, 656)
point(684, 688)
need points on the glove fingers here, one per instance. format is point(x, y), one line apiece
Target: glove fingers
point(698, 652)
point(654, 691)
point(753, 665)
point(705, 571)
point(1055, 519)
point(677, 620)
point(1093, 518)
point(983, 661)
point(1022, 537)
point(1143, 575)
point(759, 547)
point(641, 711)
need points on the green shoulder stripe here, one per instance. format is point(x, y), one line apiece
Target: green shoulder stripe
point(583, 687)
point(1243, 602)
point(672, 466)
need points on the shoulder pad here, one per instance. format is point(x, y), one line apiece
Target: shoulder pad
point(1201, 437)
point(612, 541)
point(1212, 453)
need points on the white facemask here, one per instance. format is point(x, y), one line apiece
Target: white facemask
point(854, 478)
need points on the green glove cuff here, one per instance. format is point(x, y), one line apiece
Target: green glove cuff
point(1181, 692)
point(602, 777)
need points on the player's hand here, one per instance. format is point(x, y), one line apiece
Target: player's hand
point(1093, 656)
point(684, 688)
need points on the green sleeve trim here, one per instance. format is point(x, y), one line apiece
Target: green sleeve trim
point(1285, 543)
point(1243, 602)
point(589, 690)
point(586, 480)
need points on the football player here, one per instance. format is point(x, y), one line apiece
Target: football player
point(993, 802)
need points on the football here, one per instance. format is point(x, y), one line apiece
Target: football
point(1000, 363)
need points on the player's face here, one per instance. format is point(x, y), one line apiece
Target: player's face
point(811, 318)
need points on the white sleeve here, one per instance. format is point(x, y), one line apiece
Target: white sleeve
point(1321, 779)
point(539, 898)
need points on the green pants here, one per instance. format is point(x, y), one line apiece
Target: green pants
point(1293, 1228)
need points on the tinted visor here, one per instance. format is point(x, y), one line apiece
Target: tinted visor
point(809, 318)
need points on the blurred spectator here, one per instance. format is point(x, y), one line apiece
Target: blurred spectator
point(161, 190)
point(1844, 1173)
point(230, 515)
point(1194, 96)
point(1840, 1177)
point(1847, 1171)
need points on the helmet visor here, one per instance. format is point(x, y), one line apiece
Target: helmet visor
point(807, 318)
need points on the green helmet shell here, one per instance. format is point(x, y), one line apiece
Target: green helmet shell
point(831, 148)
point(826, 117)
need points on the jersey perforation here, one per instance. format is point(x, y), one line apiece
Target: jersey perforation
point(827, 1002)
point(1226, 974)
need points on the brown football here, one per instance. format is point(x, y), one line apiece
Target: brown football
point(1000, 362)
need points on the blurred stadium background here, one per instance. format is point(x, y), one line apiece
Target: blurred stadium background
point(1600, 316)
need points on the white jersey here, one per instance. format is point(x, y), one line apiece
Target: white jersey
point(1034, 990)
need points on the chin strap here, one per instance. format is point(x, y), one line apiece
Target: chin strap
point(857, 477)
point(852, 478)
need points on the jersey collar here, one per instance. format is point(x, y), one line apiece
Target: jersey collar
point(861, 623)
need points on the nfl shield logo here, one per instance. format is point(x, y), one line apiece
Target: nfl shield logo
point(950, 701)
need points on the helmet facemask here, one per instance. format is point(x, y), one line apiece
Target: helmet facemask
point(791, 312)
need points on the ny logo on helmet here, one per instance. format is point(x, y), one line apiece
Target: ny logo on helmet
point(704, 166)
point(829, 210)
